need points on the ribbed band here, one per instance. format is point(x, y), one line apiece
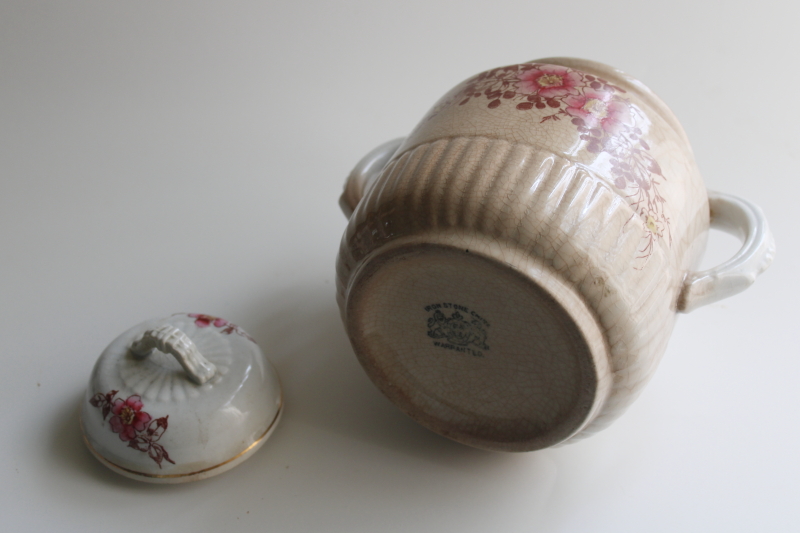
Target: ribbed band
point(547, 206)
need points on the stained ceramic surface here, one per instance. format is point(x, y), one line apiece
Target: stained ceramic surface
point(512, 270)
point(180, 399)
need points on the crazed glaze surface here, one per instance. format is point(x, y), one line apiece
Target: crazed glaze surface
point(612, 128)
point(146, 417)
point(561, 166)
point(598, 121)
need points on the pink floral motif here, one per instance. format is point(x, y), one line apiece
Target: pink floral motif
point(604, 118)
point(128, 417)
point(204, 321)
point(599, 109)
point(134, 426)
point(549, 81)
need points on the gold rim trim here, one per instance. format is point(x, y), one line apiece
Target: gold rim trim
point(144, 474)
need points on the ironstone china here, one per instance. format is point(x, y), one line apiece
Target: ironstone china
point(512, 270)
point(180, 399)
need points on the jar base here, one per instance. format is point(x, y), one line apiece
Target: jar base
point(482, 345)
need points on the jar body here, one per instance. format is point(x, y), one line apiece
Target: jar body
point(510, 278)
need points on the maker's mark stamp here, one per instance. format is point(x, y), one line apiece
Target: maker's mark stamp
point(460, 331)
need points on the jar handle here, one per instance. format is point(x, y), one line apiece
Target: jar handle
point(170, 339)
point(364, 174)
point(746, 221)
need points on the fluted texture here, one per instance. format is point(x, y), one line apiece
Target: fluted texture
point(542, 204)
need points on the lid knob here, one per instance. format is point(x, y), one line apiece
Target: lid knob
point(170, 339)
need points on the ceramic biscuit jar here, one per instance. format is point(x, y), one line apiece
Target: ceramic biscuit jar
point(512, 270)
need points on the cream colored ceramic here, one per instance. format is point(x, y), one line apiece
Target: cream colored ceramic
point(180, 399)
point(511, 271)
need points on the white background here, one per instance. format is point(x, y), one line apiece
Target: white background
point(158, 157)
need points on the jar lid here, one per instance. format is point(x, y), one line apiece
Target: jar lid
point(180, 399)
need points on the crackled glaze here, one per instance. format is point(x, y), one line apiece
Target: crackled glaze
point(609, 123)
point(562, 180)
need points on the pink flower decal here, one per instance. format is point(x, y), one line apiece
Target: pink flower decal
point(604, 119)
point(203, 321)
point(128, 417)
point(548, 81)
point(134, 426)
point(599, 109)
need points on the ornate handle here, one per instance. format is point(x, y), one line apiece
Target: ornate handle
point(169, 339)
point(363, 175)
point(746, 221)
